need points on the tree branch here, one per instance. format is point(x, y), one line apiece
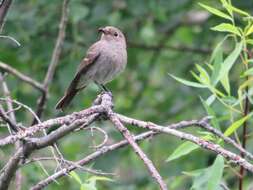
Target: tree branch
point(202, 143)
point(4, 7)
point(97, 154)
point(103, 105)
point(54, 60)
point(11, 113)
point(128, 136)
point(21, 76)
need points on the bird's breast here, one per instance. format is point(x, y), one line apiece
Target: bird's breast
point(112, 61)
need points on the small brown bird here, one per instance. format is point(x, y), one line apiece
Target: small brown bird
point(104, 60)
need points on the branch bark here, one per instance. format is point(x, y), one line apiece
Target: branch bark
point(4, 7)
point(128, 136)
point(85, 117)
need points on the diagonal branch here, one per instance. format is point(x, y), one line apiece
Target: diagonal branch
point(11, 114)
point(202, 143)
point(54, 60)
point(4, 7)
point(128, 136)
point(8, 120)
point(21, 76)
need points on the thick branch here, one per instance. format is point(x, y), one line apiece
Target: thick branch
point(10, 169)
point(128, 136)
point(65, 120)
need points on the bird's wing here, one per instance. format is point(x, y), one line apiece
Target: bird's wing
point(92, 55)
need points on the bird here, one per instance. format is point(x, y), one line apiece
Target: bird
point(104, 60)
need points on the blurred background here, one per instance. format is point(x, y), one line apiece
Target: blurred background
point(163, 37)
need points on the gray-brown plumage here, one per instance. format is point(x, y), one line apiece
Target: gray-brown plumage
point(104, 60)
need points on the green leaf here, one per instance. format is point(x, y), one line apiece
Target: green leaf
point(240, 90)
point(229, 61)
point(248, 72)
point(88, 186)
point(250, 41)
point(226, 27)
point(182, 150)
point(239, 11)
point(216, 171)
point(226, 5)
point(224, 2)
point(188, 83)
point(218, 48)
point(99, 178)
point(234, 126)
point(204, 77)
point(200, 181)
point(210, 99)
point(76, 177)
point(194, 173)
point(211, 112)
point(215, 11)
point(225, 83)
point(218, 60)
point(250, 30)
point(208, 178)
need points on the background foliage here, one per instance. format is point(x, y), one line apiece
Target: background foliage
point(158, 34)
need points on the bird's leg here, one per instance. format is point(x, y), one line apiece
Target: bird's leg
point(104, 89)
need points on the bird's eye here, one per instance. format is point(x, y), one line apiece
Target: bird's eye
point(115, 34)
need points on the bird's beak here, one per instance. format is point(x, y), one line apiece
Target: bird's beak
point(103, 30)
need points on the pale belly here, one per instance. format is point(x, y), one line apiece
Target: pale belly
point(105, 69)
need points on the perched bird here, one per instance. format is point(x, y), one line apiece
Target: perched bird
point(104, 60)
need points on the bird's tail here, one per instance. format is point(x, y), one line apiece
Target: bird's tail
point(66, 99)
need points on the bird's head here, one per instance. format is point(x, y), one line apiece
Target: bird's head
point(111, 33)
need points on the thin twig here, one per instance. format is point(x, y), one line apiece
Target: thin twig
point(11, 38)
point(89, 158)
point(70, 163)
point(8, 120)
point(21, 76)
point(101, 131)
